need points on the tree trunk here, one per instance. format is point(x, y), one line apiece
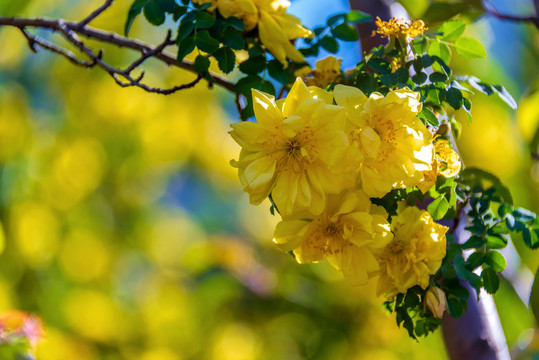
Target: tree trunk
point(478, 334)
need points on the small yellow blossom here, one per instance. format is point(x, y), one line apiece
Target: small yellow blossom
point(276, 28)
point(326, 72)
point(393, 146)
point(400, 28)
point(291, 150)
point(446, 163)
point(347, 233)
point(415, 253)
point(436, 301)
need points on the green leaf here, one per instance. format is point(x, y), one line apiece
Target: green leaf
point(437, 77)
point(419, 78)
point(379, 65)
point(496, 242)
point(185, 29)
point(134, 11)
point(452, 30)
point(233, 39)
point(473, 242)
point(436, 48)
point(491, 280)
point(469, 47)
point(475, 260)
point(244, 85)
point(204, 20)
point(438, 208)
point(330, 44)
point(454, 98)
point(358, 17)
point(334, 19)
point(456, 306)
point(531, 237)
point(534, 297)
point(235, 23)
point(205, 42)
point(202, 64)
point(253, 65)
point(429, 116)
point(225, 59)
point(525, 215)
point(276, 71)
point(504, 95)
point(495, 260)
point(153, 13)
point(185, 47)
point(345, 32)
point(169, 6)
point(180, 11)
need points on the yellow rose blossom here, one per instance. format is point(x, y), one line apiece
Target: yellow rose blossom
point(291, 150)
point(446, 163)
point(415, 253)
point(276, 28)
point(393, 144)
point(347, 233)
point(400, 27)
point(326, 72)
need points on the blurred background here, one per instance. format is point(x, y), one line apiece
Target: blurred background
point(125, 228)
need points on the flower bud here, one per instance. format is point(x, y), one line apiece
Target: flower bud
point(436, 302)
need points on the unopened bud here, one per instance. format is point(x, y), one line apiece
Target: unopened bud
point(436, 302)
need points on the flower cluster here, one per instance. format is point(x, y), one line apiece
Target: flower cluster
point(323, 157)
point(400, 28)
point(276, 28)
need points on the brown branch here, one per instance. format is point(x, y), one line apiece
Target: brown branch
point(532, 19)
point(71, 32)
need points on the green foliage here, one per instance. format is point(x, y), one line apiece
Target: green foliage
point(412, 313)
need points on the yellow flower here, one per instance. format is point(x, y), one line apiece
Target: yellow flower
point(415, 253)
point(393, 144)
point(446, 163)
point(347, 233)
point(291, 150)
point(400, 28)
point(326, 72)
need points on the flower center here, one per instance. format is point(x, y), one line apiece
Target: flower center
point(292, 148)
point(396, 246)
point(333, 230)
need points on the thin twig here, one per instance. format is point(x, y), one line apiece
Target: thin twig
point(147, 88)
point(34, 40)
point(149, 54)
point(532, 19)
point(95, 13)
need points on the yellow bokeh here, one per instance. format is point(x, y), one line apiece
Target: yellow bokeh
point(84, 256)
point(94, 315)
point(235, 342)
point(35, 232)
